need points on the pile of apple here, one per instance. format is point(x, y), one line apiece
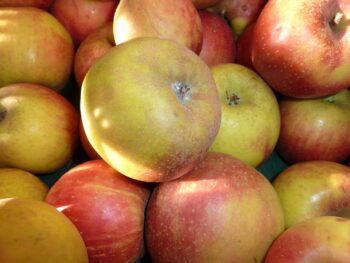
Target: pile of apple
point(163, 111)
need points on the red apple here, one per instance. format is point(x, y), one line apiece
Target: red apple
point(221, 211)
point(244, 47)
point(302, 48)
point(34, 48)
point(175, 20)
point(106, 207)
point(94, 46)
point(89, 150)
point(82, 17)
point(315, 129)
point(218, 40)
point(43, 4)
point(321, 239)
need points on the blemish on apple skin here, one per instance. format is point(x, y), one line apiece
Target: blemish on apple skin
point(3, 113)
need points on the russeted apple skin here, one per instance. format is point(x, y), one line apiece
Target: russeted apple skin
point(43, 4)
point(313, 188)
point(34, 48)
point(221, 211)
point(320, 239)
point(298, 51)
point(175, 20)
point(315, 129)
point(134, 119)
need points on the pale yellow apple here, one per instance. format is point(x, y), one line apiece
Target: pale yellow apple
point(19, 183)
point(250, 119)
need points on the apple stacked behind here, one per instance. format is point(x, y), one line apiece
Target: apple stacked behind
point(150, 108)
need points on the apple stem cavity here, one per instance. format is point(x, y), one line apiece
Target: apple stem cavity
point(337, 22)
point(182, 91)
point(3, 113)
point(232, 99)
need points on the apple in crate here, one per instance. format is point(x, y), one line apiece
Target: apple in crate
point(175, 20)
point(34, 48)
point(82, 17)
point(43, 4)
point(150, 108)
point(315, 129)
point(250, 118)
point(38, 128)
point(320, 239)
point(302, 48)
point(221, 211)
point(106, 207)
point(34, 231)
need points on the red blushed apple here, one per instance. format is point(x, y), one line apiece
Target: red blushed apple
point(106, 207)
point(175, 20)
point(82, 17)
point(89, 150)
point(302, 48)
point(218, 40)
point(244, 47)
point(315, 129)
point(43, 4)
point(94, 46)
point(221, 211)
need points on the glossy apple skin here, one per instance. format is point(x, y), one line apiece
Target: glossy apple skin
point(43, 4)
point(203, 4)
point(240, 13)
point(136, 121)
point(244, 47)
point(249, 127)
point(175, 20)
point(206, 215)
point(106, 207)
point(34, 231)
point(94, 46)
point(313, 188)
point(315, 129)
point(218, 40)
point(82, 17)
point(34, 48)
point(38, 128)
point(296, 51)
point(321, 239)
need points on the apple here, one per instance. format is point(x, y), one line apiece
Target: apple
point(19, 183)
point(244, 47)
point(221, 211)
point(87, 147)
point(320, 239)
point(82, 17)
point(106, 207)
point(302, 48)
point(34, 231)
point(240, 13)
point(313, 188)
point(43, 4)
point(218, 40)
point(150, 108)
point(203, 4)
point(250, 118)
point(175, 20)
point(94, 46)
point(315, 129)
point(38, 128)
point(34, 48)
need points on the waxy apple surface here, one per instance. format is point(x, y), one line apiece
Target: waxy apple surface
point(150, 108)
point(302, 48)
point(34, 48)
point(313, 188)
point(221, 211)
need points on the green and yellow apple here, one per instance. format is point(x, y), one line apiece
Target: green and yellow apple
point(221, 211)
point(34, 48)
point(313, 188)
point(250, 118)
point(38, 128)
point(302, 48)
point(175, 20)
point(150, 108)
point(323, 239)
point(315, 129)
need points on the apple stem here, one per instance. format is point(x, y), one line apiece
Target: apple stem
point(232, 99)
point(3, 113)
point(182, 91)
point(337, 18)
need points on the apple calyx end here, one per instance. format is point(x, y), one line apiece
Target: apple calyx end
point(232, 99)
point(182, 91)
point(3, 113)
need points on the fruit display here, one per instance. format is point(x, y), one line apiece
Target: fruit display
point(187, 131)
